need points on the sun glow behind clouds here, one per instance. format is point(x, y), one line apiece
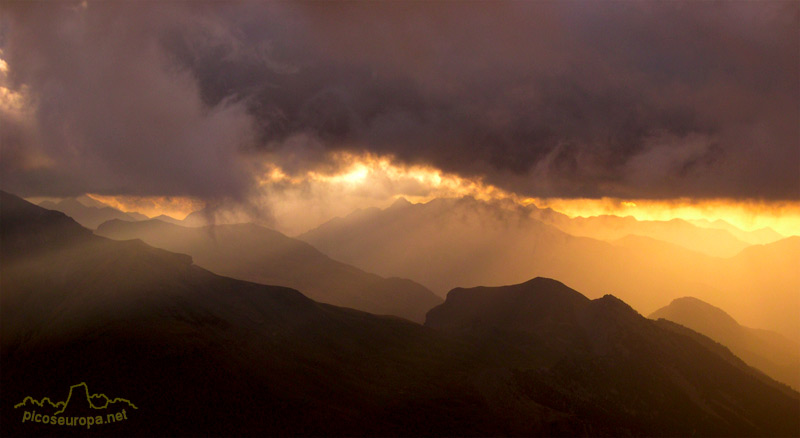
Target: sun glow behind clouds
point(303, 200)
point(380, 178)
point(177, 207)
point(783, 217)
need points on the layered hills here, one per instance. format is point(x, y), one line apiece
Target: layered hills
point(254, 253)
point(449, 243)
point(768, 351)
point(708, 240)
point(618, 365)
point(88, 212)
point(202, 354)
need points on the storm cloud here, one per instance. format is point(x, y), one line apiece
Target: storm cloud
point(567, 99)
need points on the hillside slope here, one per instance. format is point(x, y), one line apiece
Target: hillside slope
point(602, 360)
point(200, 354)
point(449, 243)
point(254, 253)
point(90, 216)
point(768, 351)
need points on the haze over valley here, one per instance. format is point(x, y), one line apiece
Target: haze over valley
point(244, 218)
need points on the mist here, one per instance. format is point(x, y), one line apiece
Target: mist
point(450, 243)
point(304, 218)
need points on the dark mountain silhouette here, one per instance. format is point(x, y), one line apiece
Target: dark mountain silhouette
point(450, 243)
point(618, 365)
point(29, 230)
point(254, 253)
point(768, 351)
point(90, 216)
point(204, 354)
point(201, 354)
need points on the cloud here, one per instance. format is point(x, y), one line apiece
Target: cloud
point(110, 111)
point(640, 100)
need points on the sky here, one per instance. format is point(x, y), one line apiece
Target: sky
point(310, 109)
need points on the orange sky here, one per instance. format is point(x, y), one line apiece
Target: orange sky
point(783, 217)
point(176, 206)
point(368, 180)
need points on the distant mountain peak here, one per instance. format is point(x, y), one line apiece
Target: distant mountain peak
point(702, 317)
point(256, 253)
point(763, 349)
point(90, 202)
point(50, 205)
point(72, 203)
point(89, 212)
point(691, 307)
point(400, 202)
point(165, 217)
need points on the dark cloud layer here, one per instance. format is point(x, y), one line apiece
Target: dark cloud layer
point(638, 99)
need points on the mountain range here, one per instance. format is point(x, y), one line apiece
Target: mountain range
point(760, 236)
point(202, 354)
point(707, 240)
point(449, 243)
point(88, 212)
point(768, 351)
point(254, 253)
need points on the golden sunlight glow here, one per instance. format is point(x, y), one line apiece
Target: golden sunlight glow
point(783, 217)
point(383, 178)
point(355, 175)
point(17, 109)
point(388, 179)
point(152, 206)
point(11, 100)
point(17, 101)
point(304, 200)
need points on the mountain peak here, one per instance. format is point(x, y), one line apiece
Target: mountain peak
point(90, 202)
point(401, 202)
point(610, 308)
point(612, 301)
point(71, 203)
point(517, 307)
point(88, 212)
point(768, 351)
point(693, 309)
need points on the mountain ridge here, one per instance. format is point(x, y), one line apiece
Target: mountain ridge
point(129, 316)
point(90, 216)
point(255, 253)
point(768, 351)
point(464, 243)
